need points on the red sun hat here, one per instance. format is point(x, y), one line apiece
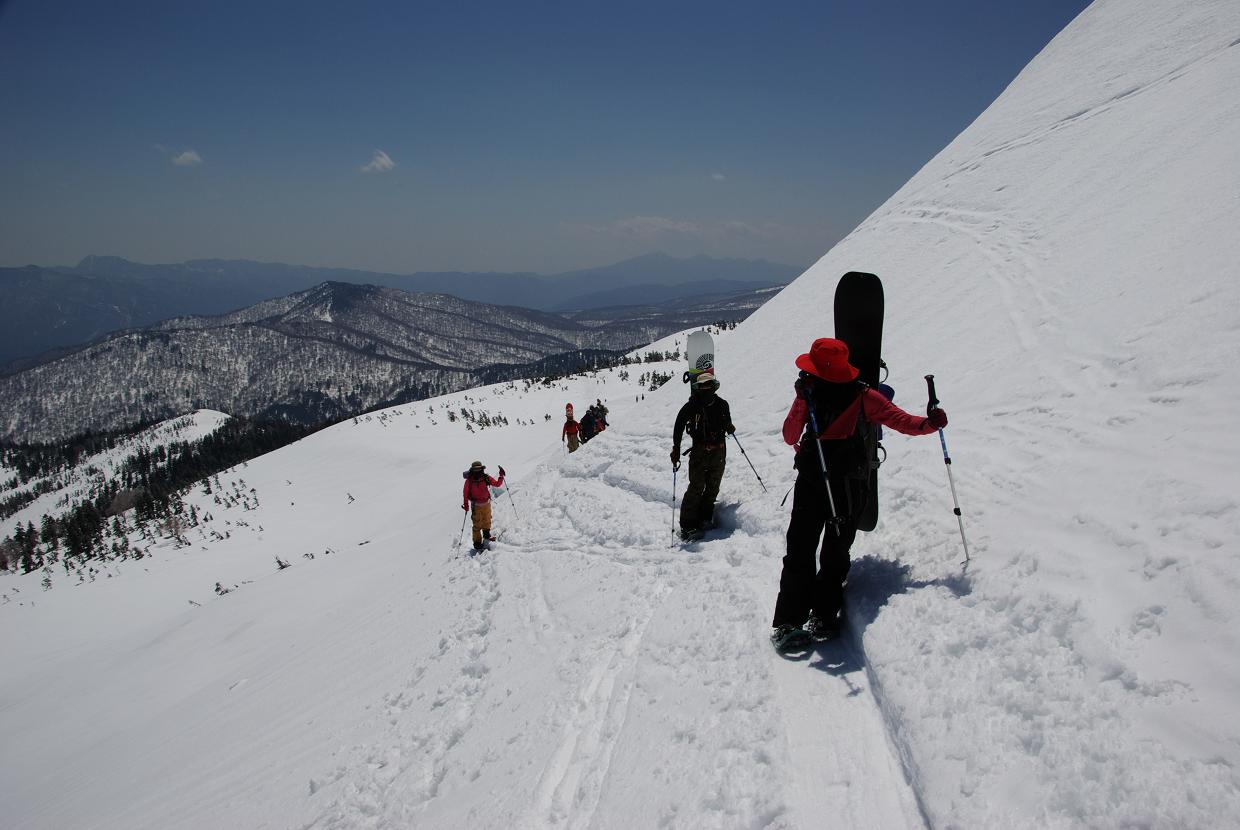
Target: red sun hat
point(828, 359)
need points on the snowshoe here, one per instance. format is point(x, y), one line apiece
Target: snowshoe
point(788, 638)
point(691, 534)
point(821, 630)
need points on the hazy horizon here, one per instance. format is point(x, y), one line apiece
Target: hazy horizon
point(647, 255)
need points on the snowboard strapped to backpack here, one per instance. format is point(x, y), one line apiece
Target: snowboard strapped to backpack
point(859, 323)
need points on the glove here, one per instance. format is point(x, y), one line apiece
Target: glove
point(464, 506)
point(675, 459)
point(731, 429)
point(501, 472)
point(937, 418)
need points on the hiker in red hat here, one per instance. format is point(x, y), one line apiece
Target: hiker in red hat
point(811, 593)
point(571, 428)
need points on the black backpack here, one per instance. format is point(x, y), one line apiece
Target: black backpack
point(855, 457)
point(707, 424)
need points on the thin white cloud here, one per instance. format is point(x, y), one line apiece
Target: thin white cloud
point(189, 158)
point(662, 227)
point(380, 162)
point(719, 177)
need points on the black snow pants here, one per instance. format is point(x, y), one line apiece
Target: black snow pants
point(806, 585)
point(706, 465)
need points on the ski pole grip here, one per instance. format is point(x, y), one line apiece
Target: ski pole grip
point(933, 400)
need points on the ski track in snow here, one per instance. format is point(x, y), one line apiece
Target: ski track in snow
point(1010, 248)
point(669, 707)
point(386, 784)
point(1128, 95)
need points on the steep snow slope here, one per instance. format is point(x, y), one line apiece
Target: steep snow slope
point(1065, 268)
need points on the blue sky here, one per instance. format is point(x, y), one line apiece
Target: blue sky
point(537, 136)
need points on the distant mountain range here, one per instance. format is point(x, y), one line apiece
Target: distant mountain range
point(58, 308)
point(331, 351)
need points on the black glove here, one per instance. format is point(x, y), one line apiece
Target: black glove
point(501, 472)
point(731, 429)
point(675, 459)
point(937, 418)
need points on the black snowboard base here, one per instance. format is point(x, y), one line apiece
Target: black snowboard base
point(859, 306)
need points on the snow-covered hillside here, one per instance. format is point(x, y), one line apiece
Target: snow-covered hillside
point(58, 492)
point(1067, 270)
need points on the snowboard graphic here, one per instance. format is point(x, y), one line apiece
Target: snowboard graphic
point(700, 349)
point(859, 323)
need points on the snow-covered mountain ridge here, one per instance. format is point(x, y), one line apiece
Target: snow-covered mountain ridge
point(1066, 269)
point(53, 308)
point(320, 355)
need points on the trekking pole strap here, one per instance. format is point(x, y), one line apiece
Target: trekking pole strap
point(932, 399)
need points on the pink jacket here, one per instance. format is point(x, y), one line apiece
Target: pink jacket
point(476, 489)
point(877, 409)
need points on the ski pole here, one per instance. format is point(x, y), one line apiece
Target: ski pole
point(460, 539)
point(784, 500)
point(510, 499)
point(947, 460)
point(822, 462)
point(751, 466)
point(675, 467)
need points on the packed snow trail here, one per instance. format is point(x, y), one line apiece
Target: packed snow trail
point(631, 678)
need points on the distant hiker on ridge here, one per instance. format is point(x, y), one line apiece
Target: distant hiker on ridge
point(477, 493)
point(708, 419)
point(811, 595)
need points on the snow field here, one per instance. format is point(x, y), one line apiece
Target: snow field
point(623, 681)
point(1066, 268)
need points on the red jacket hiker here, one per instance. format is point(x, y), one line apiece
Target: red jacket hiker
point(478, 490)
point(828, 499)
point(876, 408)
